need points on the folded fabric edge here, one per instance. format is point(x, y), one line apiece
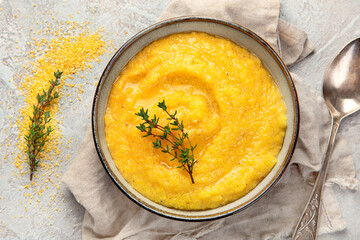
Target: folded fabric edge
point(294, 44)
point(71, 171)
point(350, 183)
point(331, 215)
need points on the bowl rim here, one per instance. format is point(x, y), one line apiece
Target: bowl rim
point(289, 153)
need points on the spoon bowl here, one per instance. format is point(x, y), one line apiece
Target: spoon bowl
point(341, 91)
point(341, 87)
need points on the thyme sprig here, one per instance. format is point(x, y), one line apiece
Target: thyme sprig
point(171, 139)
point(38, 131)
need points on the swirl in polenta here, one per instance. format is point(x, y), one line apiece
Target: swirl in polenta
point(230, 107)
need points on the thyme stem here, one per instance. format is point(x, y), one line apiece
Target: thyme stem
point(177, 149)
point(38, 132)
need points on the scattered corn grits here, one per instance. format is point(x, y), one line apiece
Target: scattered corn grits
point(230, 106)
point(70, 48)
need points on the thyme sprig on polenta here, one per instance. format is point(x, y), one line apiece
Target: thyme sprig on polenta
point(38, 131)
point(172, 137)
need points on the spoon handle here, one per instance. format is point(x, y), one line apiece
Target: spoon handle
point(308, 222)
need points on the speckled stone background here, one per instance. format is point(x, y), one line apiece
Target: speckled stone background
point(56, 214)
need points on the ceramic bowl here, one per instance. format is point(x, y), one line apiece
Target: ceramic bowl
point(241, 36)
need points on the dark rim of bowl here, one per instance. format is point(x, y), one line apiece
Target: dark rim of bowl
point(243, 205)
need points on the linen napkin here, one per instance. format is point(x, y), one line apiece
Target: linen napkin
point(109, 214)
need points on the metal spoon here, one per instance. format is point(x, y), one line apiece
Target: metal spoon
point(341, 90)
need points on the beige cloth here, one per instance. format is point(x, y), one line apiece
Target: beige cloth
point(111, 215)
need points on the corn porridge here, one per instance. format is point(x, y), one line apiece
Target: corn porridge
point(230, 107)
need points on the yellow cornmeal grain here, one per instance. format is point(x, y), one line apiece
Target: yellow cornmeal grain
point(230, 106)
point(72, 52)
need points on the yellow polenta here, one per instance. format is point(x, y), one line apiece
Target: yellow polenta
point(231, 109)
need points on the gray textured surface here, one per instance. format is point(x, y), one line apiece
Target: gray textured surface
point(329, 24)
